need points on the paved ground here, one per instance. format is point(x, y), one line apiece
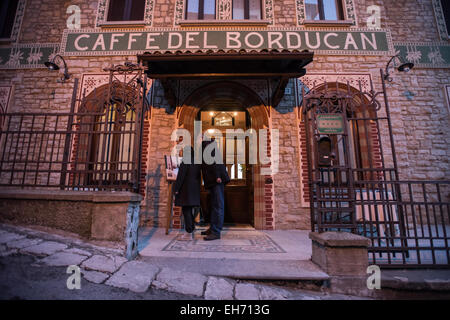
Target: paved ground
point(33, 265)
point(19, 279)
point(242, 253)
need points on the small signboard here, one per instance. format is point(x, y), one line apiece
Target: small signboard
point(172, 164)
point(330, 124)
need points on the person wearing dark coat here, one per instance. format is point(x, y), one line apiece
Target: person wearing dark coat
point(215, 177)
point(187, 190)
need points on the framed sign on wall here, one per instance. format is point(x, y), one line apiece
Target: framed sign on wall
point(330, 124)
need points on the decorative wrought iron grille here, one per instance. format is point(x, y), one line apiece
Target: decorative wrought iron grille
point(355, 185)
point(98, 147)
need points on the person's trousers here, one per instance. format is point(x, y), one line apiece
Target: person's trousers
point(217, 208)
point(189, 224)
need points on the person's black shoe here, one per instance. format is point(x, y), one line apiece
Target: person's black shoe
point(211, 236)
point(205, 233)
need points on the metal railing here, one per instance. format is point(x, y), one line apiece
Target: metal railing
point(99, 147)
point(32, 149)
point(407, 222)
point(77, 151)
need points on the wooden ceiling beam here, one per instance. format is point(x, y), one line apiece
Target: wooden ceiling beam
point(227, 75)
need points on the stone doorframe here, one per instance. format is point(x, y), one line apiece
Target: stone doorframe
point(260, 114)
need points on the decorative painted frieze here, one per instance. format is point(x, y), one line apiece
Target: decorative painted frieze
point(25, 56)
point(92, 81)
point(311, 80)
point(179, 11)
point(268, 10)
point(102, 12)
point(88, 42)
point(350, 11)
point(225, 10)
point(348, 5)
point(425, 54)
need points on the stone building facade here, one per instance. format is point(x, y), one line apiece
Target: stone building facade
point(419, 100)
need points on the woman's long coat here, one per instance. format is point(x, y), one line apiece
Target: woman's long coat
point(188, 185)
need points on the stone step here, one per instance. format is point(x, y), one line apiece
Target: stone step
point(303, 270)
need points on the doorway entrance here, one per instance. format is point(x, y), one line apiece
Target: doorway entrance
point(239, 192)
point(222, 105)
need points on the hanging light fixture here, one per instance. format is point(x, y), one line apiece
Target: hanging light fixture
point(405, 66)
point(53, 66)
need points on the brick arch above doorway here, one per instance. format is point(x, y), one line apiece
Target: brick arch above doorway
point(217, 91)
point(251, 101)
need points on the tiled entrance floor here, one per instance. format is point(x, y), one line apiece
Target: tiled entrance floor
point(232, 241)
point(240, 253)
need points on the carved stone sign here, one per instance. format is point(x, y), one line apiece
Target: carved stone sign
point(133, 41)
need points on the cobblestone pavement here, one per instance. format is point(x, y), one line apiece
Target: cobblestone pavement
point(33, 265)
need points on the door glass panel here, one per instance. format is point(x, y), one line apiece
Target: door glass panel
point(229, 147)
point(113, 151)
point(223, 119)
point(240, 171)
point(233, 148)
point(233, 172)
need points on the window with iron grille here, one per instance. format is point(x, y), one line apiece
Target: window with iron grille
point(8, 10)
point(247, 9)
point(324, 10)
point(126, 10)
point(200, 9)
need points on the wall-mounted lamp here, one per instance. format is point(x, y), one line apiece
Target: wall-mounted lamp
point(53, 66)
point(405, 66)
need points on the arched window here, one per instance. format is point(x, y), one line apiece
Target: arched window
point(344, 135)
point(112, 144)
point(105, 148)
